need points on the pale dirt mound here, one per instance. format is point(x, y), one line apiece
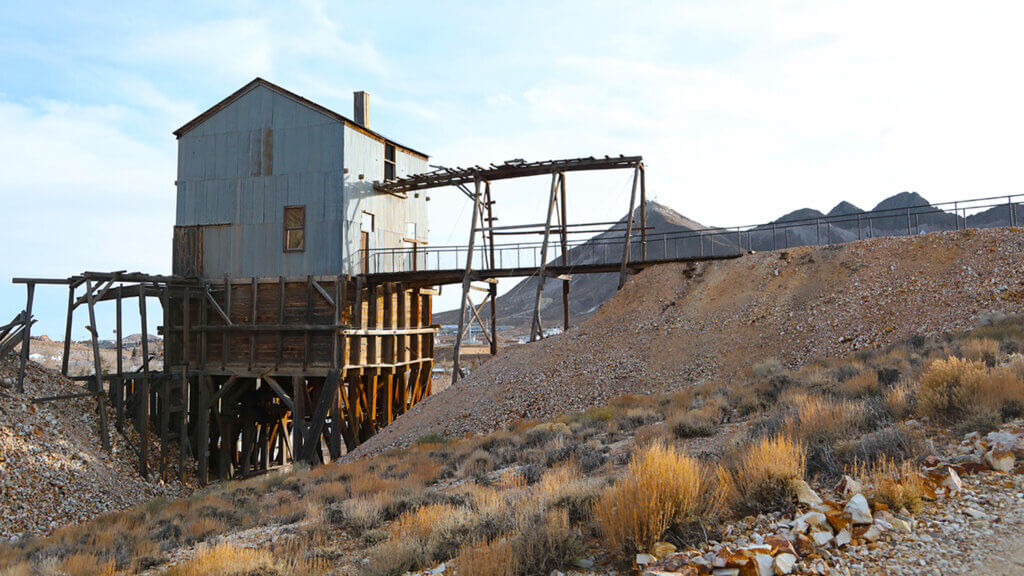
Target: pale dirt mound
point(674, 325)
point(53, 471)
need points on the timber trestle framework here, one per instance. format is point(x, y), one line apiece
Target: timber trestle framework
point(556, 226)
point(256, 372)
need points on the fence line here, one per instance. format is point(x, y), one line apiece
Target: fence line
point(823, 230)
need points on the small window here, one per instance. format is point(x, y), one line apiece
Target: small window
point(294, 228)
point(389, 162)
point(367, 224)
point(410, 230)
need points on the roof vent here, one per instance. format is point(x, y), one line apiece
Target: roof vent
point(361, 107)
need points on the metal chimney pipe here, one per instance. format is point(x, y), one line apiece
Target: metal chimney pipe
point(361, 107)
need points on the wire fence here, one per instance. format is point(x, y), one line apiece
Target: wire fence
point(607, 248)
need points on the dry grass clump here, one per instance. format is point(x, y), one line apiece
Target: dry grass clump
point(985, 350)
point(818, 417)
point(696, 423)
point(765, 473)
point(861, 384)
point(662, 488)
point(230, 560)
point(87, 565)
point(487, 558)
point(895, 485)
point(901, 399)
point(954, 390)
point(357, 515)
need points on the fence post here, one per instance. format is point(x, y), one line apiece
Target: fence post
point(908, 221)
point(858, 228)
point(817, 231)
point(774, 244)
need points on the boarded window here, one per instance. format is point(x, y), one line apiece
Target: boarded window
point(294, 228)
point(389, 162)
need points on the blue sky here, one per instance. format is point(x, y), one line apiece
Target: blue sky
point(742, 110)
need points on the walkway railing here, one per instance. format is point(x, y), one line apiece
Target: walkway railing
point(606, 249)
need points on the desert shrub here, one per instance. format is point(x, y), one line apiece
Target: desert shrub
point(820, 418)
point(896, 442)
point(83, 564)
point(478, 464)
point(897, 485)
point(983, 350)
point(768, 369)
point(696, 423)
point(230, 560)
point(661, 488)
point(901, 400)
point(888, 377)
point(635, 418)
point(863, 383)
point(357, 515)
point(948, 388)
point(544, 541)
point(433, 438)
point(395, 557)
point(541, 434)
point(765, 474)
point(1001, 392)
point(487, 558)
point(203, 528)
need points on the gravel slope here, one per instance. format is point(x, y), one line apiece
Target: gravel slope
point(53, 471)
point(675, 325)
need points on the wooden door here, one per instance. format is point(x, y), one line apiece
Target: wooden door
point(188, 251)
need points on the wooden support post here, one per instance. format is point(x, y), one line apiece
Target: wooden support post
point(164, 405)
point(186, 304)
point(203, 432)
point(183, 444)
point(26, 335)
point(119, 392)
point(142, 396)
point(298, 413)
point(536, 330)
point(466, 281)
point(101, 408)
point(492, 290)
point(67, 330)
point(311, 433)
point(623, 272)
point(564, 234)
point(643, 214)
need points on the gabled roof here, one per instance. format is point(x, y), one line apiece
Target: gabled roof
point(289, 94)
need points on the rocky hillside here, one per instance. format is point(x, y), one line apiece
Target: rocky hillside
point(53, 471)
point(674, 325)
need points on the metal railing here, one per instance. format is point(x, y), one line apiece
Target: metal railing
point(606, 248)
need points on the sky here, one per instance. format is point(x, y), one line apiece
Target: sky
point(742, 110)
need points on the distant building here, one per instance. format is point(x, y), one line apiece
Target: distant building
point(272, 184)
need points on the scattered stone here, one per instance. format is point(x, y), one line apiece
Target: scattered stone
point(859, 510)
point(805, 494)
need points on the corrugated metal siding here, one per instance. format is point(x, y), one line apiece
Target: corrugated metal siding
point(224, 178)
point(364, 156)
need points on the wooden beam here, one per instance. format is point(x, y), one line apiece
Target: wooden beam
point(466, 282)
point(26, 336)
point(119, 336)
point(288, 400)
point(203, 432)
point(98, 368)
point(311, 433)
point(536, 330)
point(623, 272)
point(142, 414)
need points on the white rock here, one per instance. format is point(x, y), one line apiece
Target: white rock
point(821, 538)
point(975, 513)
point(1000, 461)
point(805, 494)
point(763, 564)
point(644, 559)
point(872, 533)
point(843, 538)
point(859, 510)
point(784, 564)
